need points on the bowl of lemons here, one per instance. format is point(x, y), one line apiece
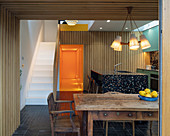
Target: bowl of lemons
point(148, 95)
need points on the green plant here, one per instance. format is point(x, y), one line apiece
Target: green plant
point(20, 72)
point(20, 76)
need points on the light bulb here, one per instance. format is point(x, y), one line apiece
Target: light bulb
point(118, 48)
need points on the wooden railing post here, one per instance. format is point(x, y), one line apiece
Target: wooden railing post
point(56, 66)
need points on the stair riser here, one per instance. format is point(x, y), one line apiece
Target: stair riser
point(50, 52)
point(47, 43)
point(39, 93)
point(44, 73)
point(39, 86)
point(46, 46)
point(44, 62)
point(31, 101)
point(44, 49)
point(43, 67)
point(42, 79)
point(50, 56)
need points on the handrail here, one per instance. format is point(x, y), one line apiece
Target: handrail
point(56, 66)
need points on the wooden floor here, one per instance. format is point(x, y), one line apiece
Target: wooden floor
point(35, 122)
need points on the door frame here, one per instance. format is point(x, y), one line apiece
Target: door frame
point(160, 69)
point(161, 56)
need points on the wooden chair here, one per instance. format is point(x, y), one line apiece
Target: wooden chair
point(90, 82)
point(98, 87)
point(60, 122)
point(93, 86)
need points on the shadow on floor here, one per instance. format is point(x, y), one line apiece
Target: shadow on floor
point(35, 122)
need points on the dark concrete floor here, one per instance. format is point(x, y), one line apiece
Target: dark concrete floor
point(35, 122)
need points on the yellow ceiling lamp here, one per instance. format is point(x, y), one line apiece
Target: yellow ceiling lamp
point(133, 42)
point(71, 22)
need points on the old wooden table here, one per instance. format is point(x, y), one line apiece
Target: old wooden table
point(109, 107)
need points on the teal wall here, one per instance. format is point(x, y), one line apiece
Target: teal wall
point(153, 37)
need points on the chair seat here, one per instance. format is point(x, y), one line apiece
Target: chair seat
point(63, 124)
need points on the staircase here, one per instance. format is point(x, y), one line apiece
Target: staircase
point(42, 75)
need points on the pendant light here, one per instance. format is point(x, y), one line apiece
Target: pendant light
point(133, 42)
point(118, 48)
point(116, 43)
point(144, 42)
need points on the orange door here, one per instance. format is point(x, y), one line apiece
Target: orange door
point(71, 67)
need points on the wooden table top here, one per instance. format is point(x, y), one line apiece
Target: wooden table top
point(112, 102)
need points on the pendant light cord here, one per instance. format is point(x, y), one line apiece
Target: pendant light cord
point(131, 25)
point(124, 24)
point(136, 25)
point(131, 21)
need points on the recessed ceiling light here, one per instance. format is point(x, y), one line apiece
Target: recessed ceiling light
point(101, 28)
point(126, 28)
point(108, 21)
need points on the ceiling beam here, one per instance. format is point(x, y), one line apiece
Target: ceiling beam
point(82, 9)
point(80, 1)
point(81, 17)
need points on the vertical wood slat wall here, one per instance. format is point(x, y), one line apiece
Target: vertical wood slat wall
point(9, 73)
point(99, 56)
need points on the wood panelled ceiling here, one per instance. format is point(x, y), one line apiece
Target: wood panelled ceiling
point(82, 9)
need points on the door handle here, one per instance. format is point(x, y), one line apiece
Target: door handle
point(130, 114)
point(149, 114)
point(105, 114)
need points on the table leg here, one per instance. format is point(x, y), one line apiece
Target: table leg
point(123, 125)
point(103, 124)
point(150, 125)
point(90, 124)
point(150, 128)
point(107, 127)
point(133, 127)
point(84, 124)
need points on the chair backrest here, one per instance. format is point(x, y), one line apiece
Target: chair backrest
point(52, 106)
point(89, 83)
point(92, 85)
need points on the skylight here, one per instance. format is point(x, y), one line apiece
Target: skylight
point(148, 26)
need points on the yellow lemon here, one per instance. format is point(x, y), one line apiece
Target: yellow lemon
point(142, 93)
point(148, 91)
point(154, 94)
point(154, 91)
point(148, 95)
